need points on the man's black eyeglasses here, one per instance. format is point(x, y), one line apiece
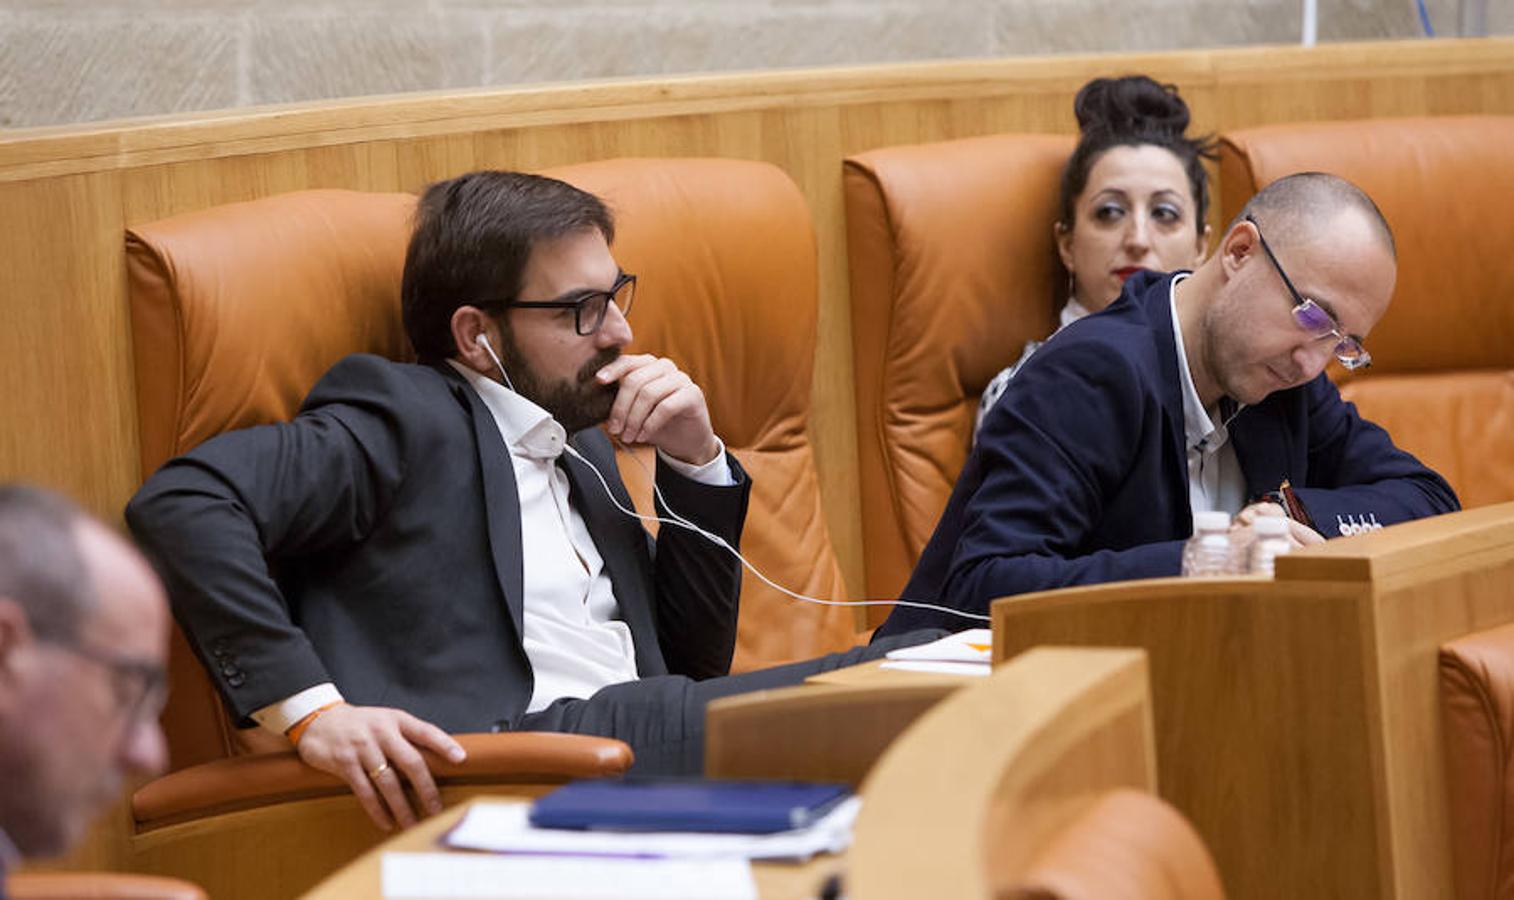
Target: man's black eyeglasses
point(1314, 318)
point(589, 307)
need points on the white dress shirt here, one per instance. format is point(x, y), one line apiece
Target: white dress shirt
point(574, 638)
point(1215, 480)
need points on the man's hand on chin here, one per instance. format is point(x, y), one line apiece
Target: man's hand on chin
point(374, 750)
point(659, 404)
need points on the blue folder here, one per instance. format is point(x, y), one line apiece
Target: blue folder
point(664, 804)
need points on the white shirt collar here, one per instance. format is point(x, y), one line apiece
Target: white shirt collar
point(1198, 424)
point(528, 429)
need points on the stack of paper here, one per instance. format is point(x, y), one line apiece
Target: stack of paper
point(963, 653)
point(559, 864)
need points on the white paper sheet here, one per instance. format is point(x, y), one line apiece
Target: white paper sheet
point(939, 668)
point(974, 645)
point(505, 827)
point(433, 876)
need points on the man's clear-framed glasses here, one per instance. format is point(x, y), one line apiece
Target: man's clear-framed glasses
point(1315, 319)
point(589, 307)
point(140, 687)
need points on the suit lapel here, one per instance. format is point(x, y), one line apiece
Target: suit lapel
point(1261, 439)
point(1158, 306)
point(501, 503)
point(608, 527)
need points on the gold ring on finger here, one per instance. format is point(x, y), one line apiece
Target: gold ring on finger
point(374, 773)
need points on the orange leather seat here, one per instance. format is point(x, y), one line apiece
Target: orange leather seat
point(1477, 709)
point(728, 287)
point(1127, 844)
point(953, 268)
point(1442, 379)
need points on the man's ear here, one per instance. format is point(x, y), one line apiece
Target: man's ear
point(1238, 247)
point(469, 324)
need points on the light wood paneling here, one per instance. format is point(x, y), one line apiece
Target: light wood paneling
point(66, 194)
point(1297, 723)
point(961, 802)
point(815, 732)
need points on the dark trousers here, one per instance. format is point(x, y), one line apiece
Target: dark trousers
point(662, 718)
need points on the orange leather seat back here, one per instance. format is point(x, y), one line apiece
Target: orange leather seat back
point(1127, 844)
point(1477, 713)
point(728, 287)
point(953, 268)
point(237, 311)
point(1441, 379)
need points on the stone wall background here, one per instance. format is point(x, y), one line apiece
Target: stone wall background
point(65, 61)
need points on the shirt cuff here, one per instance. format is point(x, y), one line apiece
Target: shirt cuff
point(715, 473)
point(280, 717)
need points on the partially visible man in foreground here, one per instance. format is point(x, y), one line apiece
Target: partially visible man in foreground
point(83, 640)
point(1193, 392)
point(418, 552)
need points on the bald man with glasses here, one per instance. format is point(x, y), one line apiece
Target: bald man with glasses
point(1193, 392)
point(83, 639)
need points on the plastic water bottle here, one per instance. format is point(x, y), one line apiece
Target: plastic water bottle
point(1207, 553)
point(1271, 542)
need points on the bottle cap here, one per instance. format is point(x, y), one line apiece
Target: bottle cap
point(1214, 520)
point(1270, 526)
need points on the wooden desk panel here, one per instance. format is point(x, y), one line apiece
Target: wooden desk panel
point(1297, 722)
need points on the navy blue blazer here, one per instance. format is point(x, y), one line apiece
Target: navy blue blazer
point(1080, 474)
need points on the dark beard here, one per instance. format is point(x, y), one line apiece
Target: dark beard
point(576, 405)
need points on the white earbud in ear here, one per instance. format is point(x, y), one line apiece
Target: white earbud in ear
point(482, 340)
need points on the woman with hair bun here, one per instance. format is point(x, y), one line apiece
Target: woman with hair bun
point(1134, 196)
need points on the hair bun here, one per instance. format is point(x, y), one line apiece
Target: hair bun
point(1133, 105)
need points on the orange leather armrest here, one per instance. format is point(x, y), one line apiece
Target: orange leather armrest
point(98, 886)
point(247, 782)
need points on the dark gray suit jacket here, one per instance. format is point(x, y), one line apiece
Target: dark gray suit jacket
point(374, 542)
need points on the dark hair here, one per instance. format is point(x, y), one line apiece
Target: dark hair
point(1310, 198)
point(41, 567)
point(1133, 111)
point(473, 237)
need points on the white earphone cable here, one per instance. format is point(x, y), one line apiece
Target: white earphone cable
point(675, 519)
point(717, 540)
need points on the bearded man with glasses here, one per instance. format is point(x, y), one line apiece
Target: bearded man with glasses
point(417, 553)
point(83, 639)
point(1192, 392)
